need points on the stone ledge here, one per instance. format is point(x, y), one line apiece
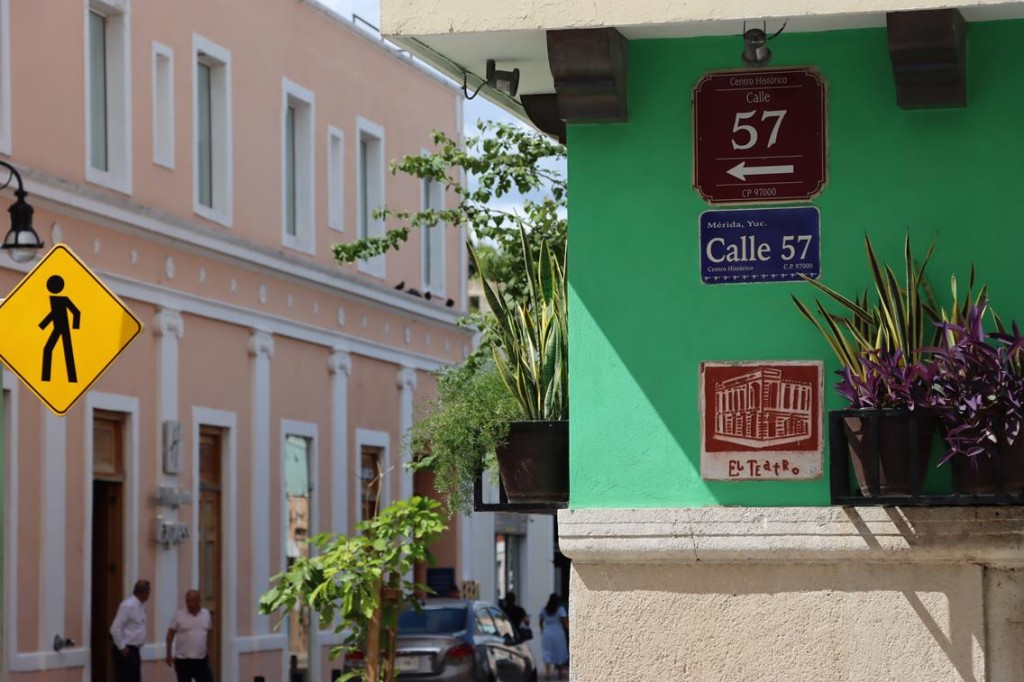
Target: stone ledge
point(928, 535)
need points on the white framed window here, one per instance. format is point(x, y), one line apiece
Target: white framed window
point(211, 131)
point(373, 463)
point(108, 119)
point(163, 105)
point(432, 197)
point(335, 179)
point(5, 77)
point(297, 173)
point(370, 188)
point(299, 467)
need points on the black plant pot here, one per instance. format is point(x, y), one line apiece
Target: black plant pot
point(893, 456)
point(985, 474)
point(534, 462)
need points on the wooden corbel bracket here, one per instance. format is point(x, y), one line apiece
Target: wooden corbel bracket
point(589, 69)
point(928, 49)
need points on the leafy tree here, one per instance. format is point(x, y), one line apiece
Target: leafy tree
point(457, 433)
point(357, 583)
point(503, 160)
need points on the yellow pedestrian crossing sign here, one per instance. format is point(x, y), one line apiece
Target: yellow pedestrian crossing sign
point(62, 327)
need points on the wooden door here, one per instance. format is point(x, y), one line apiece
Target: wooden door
point(108, 579)
point(210, 459)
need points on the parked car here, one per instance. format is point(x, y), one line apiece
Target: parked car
point(457, 640)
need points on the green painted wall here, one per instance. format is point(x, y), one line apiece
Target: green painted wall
point(641, 321)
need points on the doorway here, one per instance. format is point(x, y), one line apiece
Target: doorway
point(211, 441)
point(508, 551)
point(108, 503)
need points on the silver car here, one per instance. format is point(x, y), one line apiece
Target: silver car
point(456, 640)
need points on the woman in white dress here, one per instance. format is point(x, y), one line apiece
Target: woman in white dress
point(554, 623)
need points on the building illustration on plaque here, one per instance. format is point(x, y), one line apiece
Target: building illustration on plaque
point(761, 420)
point(762, 408)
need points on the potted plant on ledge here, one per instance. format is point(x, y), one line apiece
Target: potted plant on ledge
point(530, 344)
point(879, 345)
point(457, 434)
point(977, 385)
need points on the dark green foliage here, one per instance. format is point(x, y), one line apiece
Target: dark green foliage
point(456, 434)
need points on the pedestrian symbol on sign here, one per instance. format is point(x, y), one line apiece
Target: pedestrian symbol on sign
point(62, 302)
point(60, 306)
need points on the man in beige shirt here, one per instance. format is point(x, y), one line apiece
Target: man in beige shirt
point(189, 633)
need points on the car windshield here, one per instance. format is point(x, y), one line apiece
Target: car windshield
point(432, 621)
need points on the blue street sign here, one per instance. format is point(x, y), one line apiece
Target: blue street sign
point(760, 245)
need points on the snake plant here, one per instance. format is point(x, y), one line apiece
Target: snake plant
point(530, 337)
point(900, 320)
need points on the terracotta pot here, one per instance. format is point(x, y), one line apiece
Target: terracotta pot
point(896, 454)
point(534, 462)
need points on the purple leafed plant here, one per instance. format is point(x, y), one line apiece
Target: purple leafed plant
point(978, 386)
point(888, 381)
point(1011, 354)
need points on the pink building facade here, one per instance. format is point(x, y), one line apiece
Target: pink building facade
point(202, 157)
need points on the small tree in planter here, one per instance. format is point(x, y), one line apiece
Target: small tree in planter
point(458, 433)
point(530, 344)
point(879, 344)
point(357, 583)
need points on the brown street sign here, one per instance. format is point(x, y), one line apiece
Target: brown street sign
point(759, 136)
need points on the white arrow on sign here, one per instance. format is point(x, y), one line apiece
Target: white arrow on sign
point(741, 170)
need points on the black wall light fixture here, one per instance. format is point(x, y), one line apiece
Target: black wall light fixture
point(505, 82)
point(755, 44)
point(21, 243)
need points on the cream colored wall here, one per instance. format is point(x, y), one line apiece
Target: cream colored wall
point(779, 623)
point(424, 17)
point(786, 594)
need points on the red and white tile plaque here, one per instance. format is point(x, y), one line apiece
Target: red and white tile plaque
point(761, 421)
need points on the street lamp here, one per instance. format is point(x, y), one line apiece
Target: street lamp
point(21, 242)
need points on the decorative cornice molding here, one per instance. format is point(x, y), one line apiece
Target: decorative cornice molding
point(340, 361)
point(125, 215)
point(407, 378)
point(169, 321)
point(820, 535)
point(261, 343)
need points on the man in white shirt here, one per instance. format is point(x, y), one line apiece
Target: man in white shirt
point(129, 633)
point(191, 627)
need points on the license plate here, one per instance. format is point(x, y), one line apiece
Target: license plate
point(407, 663)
